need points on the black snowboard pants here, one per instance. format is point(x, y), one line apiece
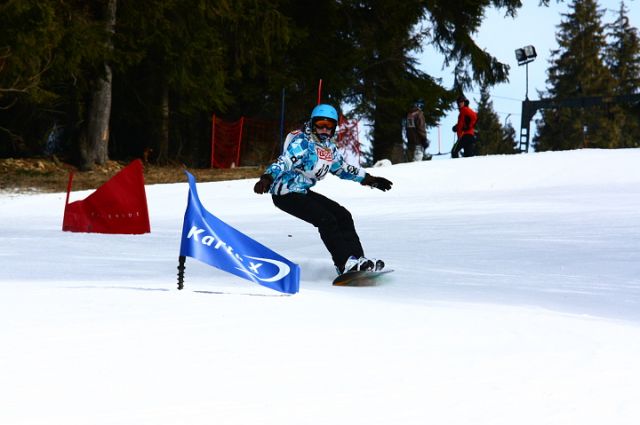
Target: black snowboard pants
point(334, 223)
point(467, 143)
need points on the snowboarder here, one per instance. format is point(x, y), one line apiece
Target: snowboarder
point(308, 157)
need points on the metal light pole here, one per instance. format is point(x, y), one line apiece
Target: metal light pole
point(526, 73)
point(524, 56)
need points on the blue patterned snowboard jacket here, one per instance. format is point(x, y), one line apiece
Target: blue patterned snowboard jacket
point(306, 160)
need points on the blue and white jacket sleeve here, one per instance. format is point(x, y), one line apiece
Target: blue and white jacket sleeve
point(345, 171)
point(294, 157)
point(292, 171)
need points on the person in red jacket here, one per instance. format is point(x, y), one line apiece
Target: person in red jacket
point(465, 129)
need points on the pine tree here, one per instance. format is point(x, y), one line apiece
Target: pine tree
point(387, 81)
point(28, 35)
point(94, 149)
point(578, 70)
point(54, 51)
point(174, 62)
point(623, 59)
point(186, 60)
point(492, 137)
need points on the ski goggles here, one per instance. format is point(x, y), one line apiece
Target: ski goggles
point(324, 125)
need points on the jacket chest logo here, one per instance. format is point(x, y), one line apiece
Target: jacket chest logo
point(324, 154)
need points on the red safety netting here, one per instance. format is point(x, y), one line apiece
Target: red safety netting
point(248, 141)
point(225, 142)
point(260, 141)
point(349, 140)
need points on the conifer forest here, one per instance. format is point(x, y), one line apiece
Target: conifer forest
point(94, 80)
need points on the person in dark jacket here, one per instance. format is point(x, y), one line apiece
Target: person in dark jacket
point(416, 131)
point(307, 158)
point(464, 129)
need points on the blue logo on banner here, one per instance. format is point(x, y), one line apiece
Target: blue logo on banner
point(210, 240)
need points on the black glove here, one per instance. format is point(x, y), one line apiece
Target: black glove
point(454, 128)
point(377, 182)
point(263, 185)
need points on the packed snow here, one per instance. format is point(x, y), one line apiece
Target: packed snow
point(515, 300)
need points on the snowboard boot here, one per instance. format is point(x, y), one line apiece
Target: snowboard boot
point(354, 264)
point(379, 265)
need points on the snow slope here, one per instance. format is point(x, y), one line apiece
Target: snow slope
point(516, 299)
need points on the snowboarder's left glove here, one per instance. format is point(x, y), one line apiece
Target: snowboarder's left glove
point(377, 182)
point(263, 185)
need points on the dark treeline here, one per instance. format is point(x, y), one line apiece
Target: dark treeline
point(91, 80)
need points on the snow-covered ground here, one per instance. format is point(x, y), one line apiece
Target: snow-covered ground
point(515, 300)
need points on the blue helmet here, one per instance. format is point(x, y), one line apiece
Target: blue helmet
point(324, 111)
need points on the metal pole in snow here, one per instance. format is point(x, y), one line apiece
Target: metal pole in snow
point(181, 261)
point(282, 122)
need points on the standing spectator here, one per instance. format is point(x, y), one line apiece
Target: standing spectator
point(416, 130)
point(465, 129)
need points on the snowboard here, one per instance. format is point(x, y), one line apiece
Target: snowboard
point(359, 278)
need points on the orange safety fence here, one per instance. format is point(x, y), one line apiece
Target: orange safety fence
point(251, 141)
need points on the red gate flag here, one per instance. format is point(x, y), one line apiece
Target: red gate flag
point(118, 206)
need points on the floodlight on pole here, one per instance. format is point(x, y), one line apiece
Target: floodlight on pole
point(524, 56)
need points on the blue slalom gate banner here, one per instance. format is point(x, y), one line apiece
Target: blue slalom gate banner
point(210, 240)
